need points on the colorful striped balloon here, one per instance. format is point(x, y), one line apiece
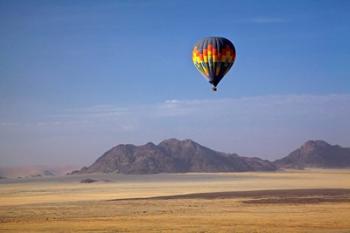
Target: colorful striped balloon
point(213, 57)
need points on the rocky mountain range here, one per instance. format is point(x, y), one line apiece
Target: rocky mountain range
point(317, 154)
point(173, 156)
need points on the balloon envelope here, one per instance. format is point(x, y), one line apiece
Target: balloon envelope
point(213, 57)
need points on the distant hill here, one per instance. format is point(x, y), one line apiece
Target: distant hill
point(34, 171)
point(172, 156)
point(318, 154)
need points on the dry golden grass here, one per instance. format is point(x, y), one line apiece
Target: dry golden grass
point(60, 205)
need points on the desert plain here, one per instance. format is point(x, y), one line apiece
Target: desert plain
point(311, 200)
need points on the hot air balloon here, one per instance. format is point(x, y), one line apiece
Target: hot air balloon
point(213, 57)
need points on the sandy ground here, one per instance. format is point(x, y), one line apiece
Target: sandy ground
point(292, 201)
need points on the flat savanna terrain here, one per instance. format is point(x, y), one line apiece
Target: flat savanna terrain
point(290, 201)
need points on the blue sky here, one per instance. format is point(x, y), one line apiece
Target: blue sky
point(77, 77)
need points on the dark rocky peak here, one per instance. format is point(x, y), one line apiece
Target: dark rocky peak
point(173, 142)
point(315, 143)
point(170, 142)
point(184, 147)
point(149, 145)
point(123, 147)
point(172, 155)
point(316, 153)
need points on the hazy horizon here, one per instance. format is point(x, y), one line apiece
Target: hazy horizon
point(77, 78)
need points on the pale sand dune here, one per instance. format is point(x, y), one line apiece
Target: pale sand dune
point(65, 189)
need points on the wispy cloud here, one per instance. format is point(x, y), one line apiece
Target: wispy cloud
point(6, 123)
point(266, 20)
point(266, 126)
point(288, 106)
